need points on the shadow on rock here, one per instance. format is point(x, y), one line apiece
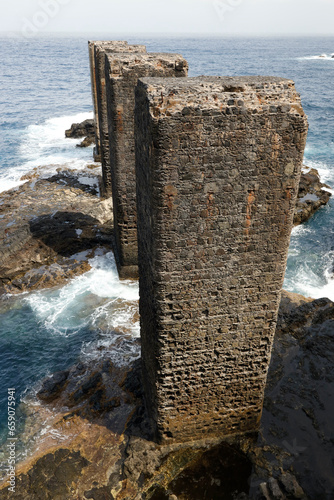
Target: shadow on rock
point(66, 178)
point(68, 233)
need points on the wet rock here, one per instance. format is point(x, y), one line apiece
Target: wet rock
point(311, 195)
point(52, 386)
point(47, 276)
point(83, 129)
point(290, 486)
point(45, 222)
point(103, 420)
point(87, 387)
point(88, 141)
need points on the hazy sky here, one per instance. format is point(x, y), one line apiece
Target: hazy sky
point(310, 17)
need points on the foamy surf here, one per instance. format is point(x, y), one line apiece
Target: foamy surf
point(326, 172)
point(45, 147)
point(310, 284)
point(97, 300)
point(310, 263)
point(323, 57)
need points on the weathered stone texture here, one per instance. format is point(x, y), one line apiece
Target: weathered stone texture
point(91, 45)
point(122, 73)
point(97, 51)
point(218, 166)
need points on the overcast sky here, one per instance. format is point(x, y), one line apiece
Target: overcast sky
point(309, 17)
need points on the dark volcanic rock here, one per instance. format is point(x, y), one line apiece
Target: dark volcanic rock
point(88, 141)
point(297, 427)
point(107, 446)
point(45, 222)
point(53, 477)
point(52, 387)
point(311, 195)
point(83, 129)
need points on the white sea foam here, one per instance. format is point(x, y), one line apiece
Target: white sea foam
point(310, 263)
point(325, 170)
point(96, 299)
point(46, 146)
point(307, 283)
point(322, 57)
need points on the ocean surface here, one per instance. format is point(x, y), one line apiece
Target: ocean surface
point(44, 88)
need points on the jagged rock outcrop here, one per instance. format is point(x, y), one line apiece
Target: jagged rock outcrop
point(97, 439)
point(297, 425)
point(84, 129)
point(311, 195)
point(44, 223)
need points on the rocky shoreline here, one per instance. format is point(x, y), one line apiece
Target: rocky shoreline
point(47, 221)
point(312, 195)
point(97, 440)
point(45, 224)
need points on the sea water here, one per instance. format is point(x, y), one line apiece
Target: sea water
point(44, 88)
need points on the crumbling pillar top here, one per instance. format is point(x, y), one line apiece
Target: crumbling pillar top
point(197, 94)
point(121, 63)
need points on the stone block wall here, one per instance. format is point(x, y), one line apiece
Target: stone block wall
point(122, 73)
point(97, 52)
point(91, 53)
point(218, 166)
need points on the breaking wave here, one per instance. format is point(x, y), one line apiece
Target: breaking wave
point(45, 146)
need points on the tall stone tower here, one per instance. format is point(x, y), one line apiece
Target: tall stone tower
point(218, 162)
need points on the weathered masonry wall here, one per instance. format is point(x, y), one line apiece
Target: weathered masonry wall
point(97, 52)
point(122, 73)
point(218, 167)
point(91, 49)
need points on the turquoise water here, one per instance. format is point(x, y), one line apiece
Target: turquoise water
point(44, 87)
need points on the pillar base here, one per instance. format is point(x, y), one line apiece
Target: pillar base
point(128, 272)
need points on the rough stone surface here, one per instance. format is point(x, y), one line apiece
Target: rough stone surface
point(83, 129)
point(122, 73)
point(91, 53)
point(312, 194)
point(218, 166)
point(93, 417)
point(100, 51)
point(44, 223)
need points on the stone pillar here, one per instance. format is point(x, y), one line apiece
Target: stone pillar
point(97, 51)
point(91, 48)
point(218, 166)
point(122, 73)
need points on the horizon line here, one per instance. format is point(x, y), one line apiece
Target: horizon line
point(167, 33)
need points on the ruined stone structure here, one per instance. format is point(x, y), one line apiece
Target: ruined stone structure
point(218, 165)
point(122, 73)
point(97, 51)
